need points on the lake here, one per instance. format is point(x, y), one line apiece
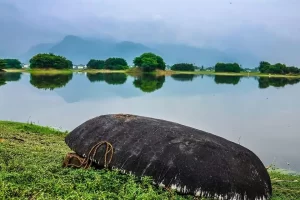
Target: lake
point(261, 114)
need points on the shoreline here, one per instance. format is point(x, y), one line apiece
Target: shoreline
point(157, 72)
point(31, 165)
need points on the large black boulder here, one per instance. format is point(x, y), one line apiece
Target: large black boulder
point(175, 156)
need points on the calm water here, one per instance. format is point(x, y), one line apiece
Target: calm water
point(261, 114)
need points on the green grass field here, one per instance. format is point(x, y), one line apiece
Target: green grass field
point(31, 159)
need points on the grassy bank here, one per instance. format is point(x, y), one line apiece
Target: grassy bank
point(157, 72)
point(170, 72)
point(30, 168)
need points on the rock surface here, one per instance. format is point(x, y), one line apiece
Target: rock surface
point(175, 156)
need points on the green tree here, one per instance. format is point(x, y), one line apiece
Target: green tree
point(264, 67)
point(50, 81)
point(149, 62)
point(278, 68)
point(227, 79)
point(149, 82)
point(2, 64)
point(47, 61)
point(161, 64)
point(293, 70)
point(12, 64)
point(183, 67)
point(116, 64)
point(96, 64)
point(115, 78)
point(228, 67)
point(183, 77)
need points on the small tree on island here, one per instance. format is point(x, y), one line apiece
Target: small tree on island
point(95, 64)
point(12, 64)
point(110, 63)
point(228, 67)
point(149, 62)
point(47, 61)
point(115, 64)
point(183, 67)
point(278, 68)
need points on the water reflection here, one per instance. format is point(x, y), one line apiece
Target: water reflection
point(115, 78)
point(2, 79)
point(263, 120)
point(95, 77)
point(148, 82)
point(50, 81)
point(9, 77)
point(16, 76)
point(264, 82)
point(234, 80)
point(184, 77)
point(109, 78)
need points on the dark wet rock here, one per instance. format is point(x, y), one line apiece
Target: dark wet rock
point(175, 156)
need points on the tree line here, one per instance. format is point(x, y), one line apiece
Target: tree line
point(278, 68)
point(110, 63)
point(147, 62)
point(10, 64)
point(228, 67)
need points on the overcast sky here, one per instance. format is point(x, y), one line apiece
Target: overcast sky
point(260, 26)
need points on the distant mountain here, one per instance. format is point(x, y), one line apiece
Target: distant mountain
point(81, 50)
point(40, 48)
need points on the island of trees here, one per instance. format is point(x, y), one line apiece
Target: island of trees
point(278, 68)
point(228, 67)
point(110, 64)
point(146, 62)
point(183, 67)
point(49, 61)
point(149, 62)
point(10, 64)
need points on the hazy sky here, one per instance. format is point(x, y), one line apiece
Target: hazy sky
point(269, 27)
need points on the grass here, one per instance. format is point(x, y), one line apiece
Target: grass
point(135, 70)
point(31, 159)
point(285, 186)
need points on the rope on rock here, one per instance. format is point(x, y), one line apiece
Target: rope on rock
point(87, 162)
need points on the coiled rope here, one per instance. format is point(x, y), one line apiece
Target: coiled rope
point(87, 161)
